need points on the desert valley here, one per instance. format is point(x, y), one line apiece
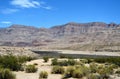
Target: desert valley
point(59, 39)
point(72, 50)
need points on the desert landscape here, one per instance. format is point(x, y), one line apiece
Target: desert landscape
point(42, 66)
point(47, 60)
point(92, 46)
point(59, 39)
point(68, 51)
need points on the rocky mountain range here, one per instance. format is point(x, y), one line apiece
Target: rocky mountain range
point(67, 36)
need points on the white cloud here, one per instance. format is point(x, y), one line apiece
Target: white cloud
point(26, 3)
point(9, 11)
point(36, 3)
point(6, 22)
point(30, 4)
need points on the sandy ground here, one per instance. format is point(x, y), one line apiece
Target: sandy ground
point(41, 67)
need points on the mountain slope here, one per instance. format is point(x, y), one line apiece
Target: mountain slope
point(71, 35)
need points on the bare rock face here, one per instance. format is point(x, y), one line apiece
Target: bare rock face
point(78, 28)
point(62, 35)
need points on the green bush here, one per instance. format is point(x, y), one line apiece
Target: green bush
point(58, 70)
point(93, 67)
point(10, 62)
point(6, 74)
point(90, 60)
point(65, 56)
point(69, 72)
point(84, 60)
point(55, 61)
point(13, 62)
point(114, 66)
point(104, 73)
point(46, 59)
point(30, 68)
point(76, 71)
point(43, 75)
point(118, 71)
point(69, 62)
point(77, 74)
point(63, 63)
point(114, 60)
point(83, 68)
point(62, 56)
point(93, 76)
point(23, 59)
point(72, 62)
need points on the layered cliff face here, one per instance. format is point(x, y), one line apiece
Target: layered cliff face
point(64, 35)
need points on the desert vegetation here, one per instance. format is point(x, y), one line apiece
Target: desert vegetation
point(13, 62)
point(30, 69)
point(43, 75)
point(80, 68)
point(6, 74)
point(89, 68)
point(45, 58)
point(9, 63)
point(58, 70)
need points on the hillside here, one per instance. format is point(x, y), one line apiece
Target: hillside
point(76, 36)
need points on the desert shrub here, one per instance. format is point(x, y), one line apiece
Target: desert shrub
point(77, 74)
point(114, 66)
point(23, 59)
point(84, 60)
point(83, 68)
point(13, 62)
point(63, 63)
point(93, 76)
point(43, 75)
point(10, 62)
point(62, 56)
point(72, 62)
point(110, 69)
point(46, 59)
point(118, 71)
point(93, 67)
point(58, 70)
point(30, 68)
point(65, 56)
point(114, 60)
point(105, 72)
point(54, 61)
point(69, 72)
point(69, 62)
point(6, 74)
point(90, 60)
point(76, 71)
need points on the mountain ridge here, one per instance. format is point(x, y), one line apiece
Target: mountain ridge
point(65, 35)
point(19, 25)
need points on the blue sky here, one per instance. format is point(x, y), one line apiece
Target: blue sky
point(47, 13)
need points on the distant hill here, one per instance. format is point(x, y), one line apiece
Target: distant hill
point(76, 36)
